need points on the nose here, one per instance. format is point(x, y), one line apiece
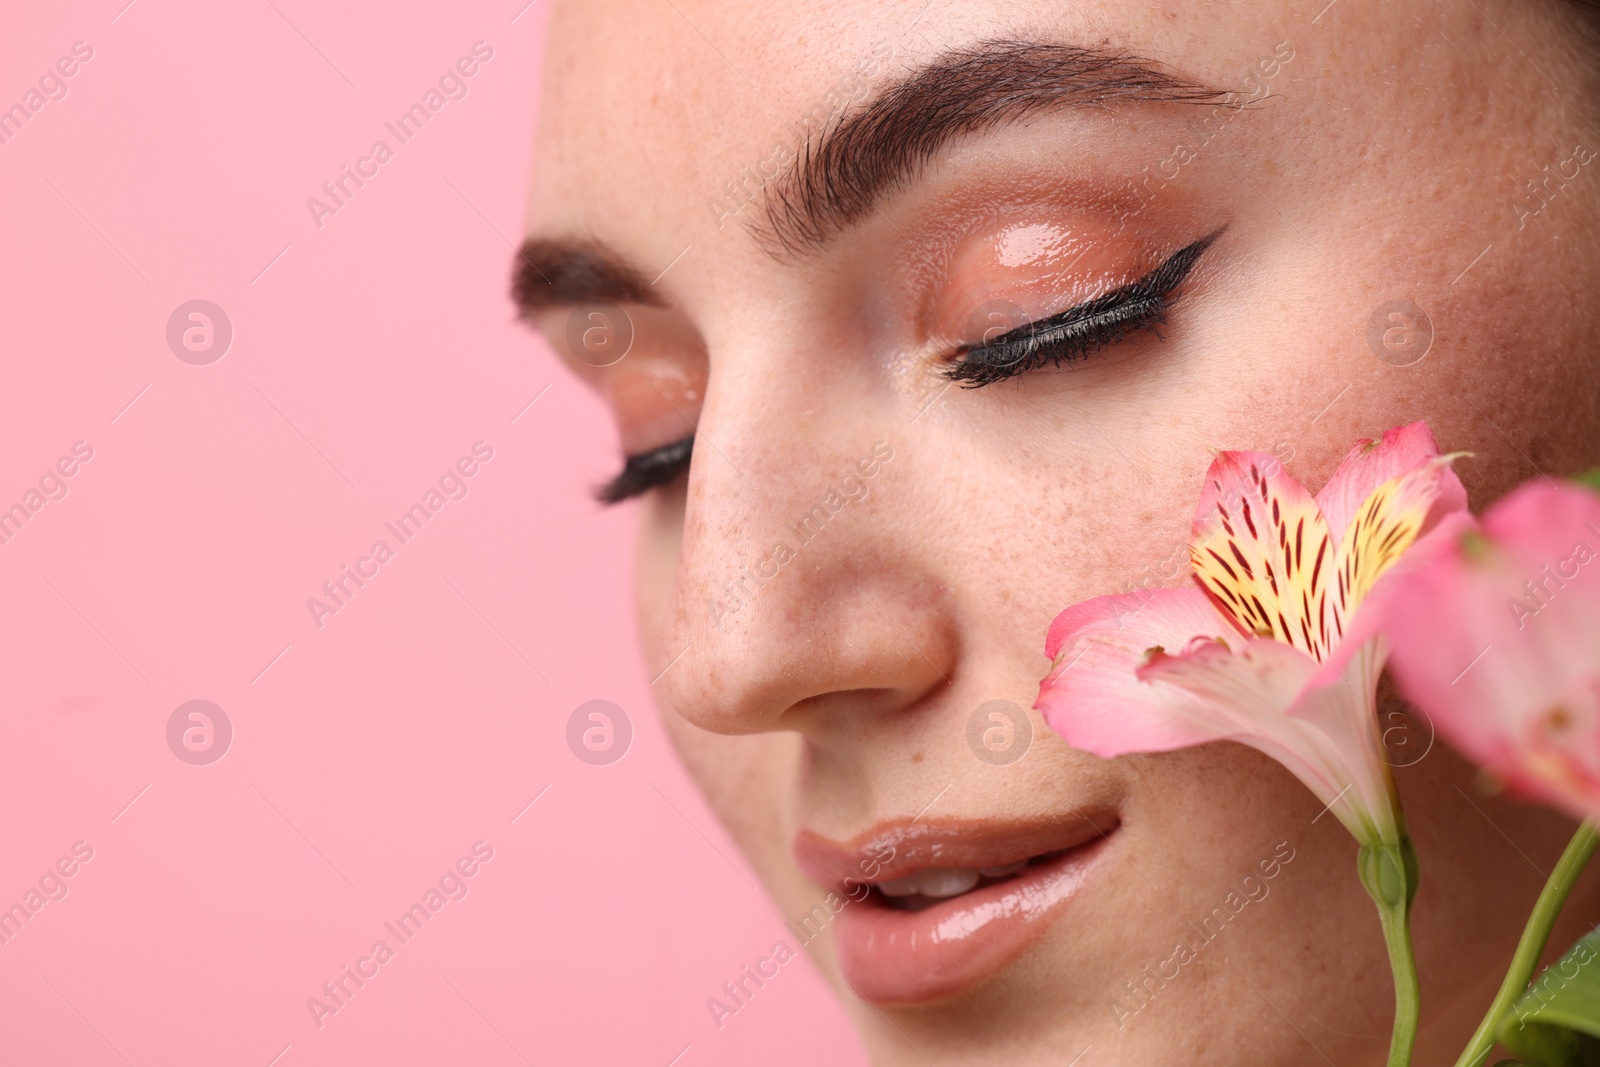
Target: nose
point(802, 593)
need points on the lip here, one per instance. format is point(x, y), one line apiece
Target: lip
point(892, 956)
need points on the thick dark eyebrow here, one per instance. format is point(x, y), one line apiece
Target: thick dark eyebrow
point(840, 176)
point(554, 272)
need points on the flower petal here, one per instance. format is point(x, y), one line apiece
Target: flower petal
point(1371, 463)
point(1496, 635)
point(1261, 549)
point(1340, 703)
point(1163, 669)
point(1093, 697)
point(1263, 694)
point(1386, 525)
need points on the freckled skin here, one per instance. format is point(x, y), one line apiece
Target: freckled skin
point(1392, 150)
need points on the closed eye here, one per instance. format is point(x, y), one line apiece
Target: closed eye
point(646, 471)
point(1080, 331)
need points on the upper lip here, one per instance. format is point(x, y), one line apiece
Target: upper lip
point(898, 848)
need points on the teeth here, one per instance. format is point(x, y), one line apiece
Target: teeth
point(947, 882)
point(935, 882)
point(901, 887)
point(941, 882)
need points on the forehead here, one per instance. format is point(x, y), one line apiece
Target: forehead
point(660, 120)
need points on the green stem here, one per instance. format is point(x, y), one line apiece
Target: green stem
point(1407, 992)
point(1389, 871)
point(1534, 938)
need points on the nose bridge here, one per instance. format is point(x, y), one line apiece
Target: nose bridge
point(818, 516)
point(786, 589)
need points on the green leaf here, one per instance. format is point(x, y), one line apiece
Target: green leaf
point(1556, 1023)
point(1589, 478)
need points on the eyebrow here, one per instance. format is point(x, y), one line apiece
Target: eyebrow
point(880, 149)
point(841, 176)
point(561, 272)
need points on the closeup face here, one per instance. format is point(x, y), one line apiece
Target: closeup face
point(801, 242)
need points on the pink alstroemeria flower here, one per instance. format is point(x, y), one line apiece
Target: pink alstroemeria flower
point(1496, 635)
point(1271, 647)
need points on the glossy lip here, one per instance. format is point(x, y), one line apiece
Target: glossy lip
point(891, 956)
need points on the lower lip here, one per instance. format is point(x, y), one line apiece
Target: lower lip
point(890, 956)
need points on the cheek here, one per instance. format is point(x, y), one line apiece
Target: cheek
point(1521, 378)
point(1206, 818)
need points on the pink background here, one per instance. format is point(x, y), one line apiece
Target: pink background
point(371, 753)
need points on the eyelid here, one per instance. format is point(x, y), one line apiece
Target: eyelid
point(1098, 322)
point(645, 471)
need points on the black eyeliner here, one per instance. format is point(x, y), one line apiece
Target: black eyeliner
point(646, 471)
point(1074, 333)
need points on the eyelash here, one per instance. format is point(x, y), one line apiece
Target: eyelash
point(647, 471)
point(1078, 332)
point(1066, 337)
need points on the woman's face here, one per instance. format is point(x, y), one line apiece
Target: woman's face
point(813, 216)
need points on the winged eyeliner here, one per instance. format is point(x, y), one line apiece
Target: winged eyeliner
point(1061, 338)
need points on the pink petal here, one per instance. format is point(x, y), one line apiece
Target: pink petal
point(1093, 697)
point(1267, 695)
point(1162, 669)
point(1260, 653)
point(1371, 463)
point(1496, 635)
point(1393, 518)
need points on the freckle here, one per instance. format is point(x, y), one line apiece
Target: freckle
point(917, 758)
